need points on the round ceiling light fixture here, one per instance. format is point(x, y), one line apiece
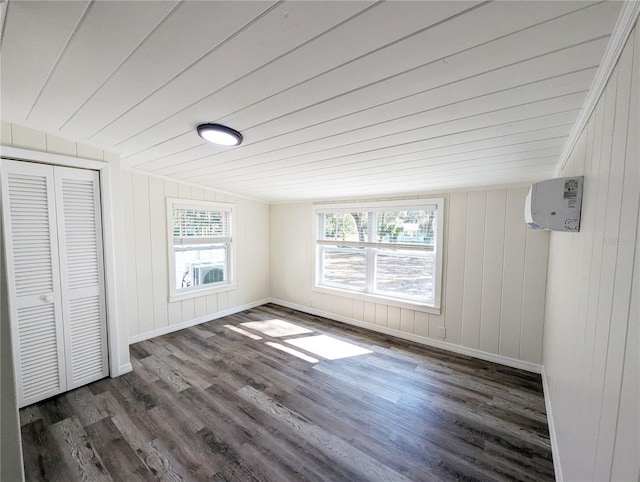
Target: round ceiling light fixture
point(219, 134)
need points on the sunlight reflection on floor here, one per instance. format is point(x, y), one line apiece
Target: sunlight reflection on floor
point(276, 328)
point(293, 352)
point(328, 347)
point(243, 332)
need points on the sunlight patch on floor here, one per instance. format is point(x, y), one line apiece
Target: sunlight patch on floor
point(276, 328)
point(243, 332)
point(328, 347)
point(293, 352)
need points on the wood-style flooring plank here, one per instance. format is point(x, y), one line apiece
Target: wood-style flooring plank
point(219, 402)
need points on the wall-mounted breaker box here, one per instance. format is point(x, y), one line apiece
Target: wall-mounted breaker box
point(555, 204)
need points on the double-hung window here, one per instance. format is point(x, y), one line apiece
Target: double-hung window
point(200, 247)
point(390, 252)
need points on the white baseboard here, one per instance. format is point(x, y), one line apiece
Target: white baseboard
point(462, 350)
point(552, 428)
point(186, 324)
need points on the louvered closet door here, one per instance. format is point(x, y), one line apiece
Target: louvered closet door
point(82, 275)
point(29, 217)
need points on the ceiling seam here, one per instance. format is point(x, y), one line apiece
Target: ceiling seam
point(436, 137)
point(393, 166)
point(208, 156)
point(62, 52)
point(398, 132)
point(139, 166)
point(448, 84)
point(199, 59)
point(133, 51)
point(400, 168)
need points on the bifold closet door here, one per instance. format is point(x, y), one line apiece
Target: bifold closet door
point(81, 275)
point(53, 245)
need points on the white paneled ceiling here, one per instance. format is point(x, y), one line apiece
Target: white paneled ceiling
point(335, 99)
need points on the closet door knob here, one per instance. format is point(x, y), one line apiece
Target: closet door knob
point(48, 298)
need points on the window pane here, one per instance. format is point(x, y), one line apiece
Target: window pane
point(404, 275)
point(344, 226)
point(346, 267)
point(200, 265)
point(409, 227)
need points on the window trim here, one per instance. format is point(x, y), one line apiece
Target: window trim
point(409, 204)
point(174, 293)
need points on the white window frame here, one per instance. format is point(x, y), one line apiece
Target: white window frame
point(437, 204)
point(176, 294)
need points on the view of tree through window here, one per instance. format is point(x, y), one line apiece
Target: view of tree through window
point(395, 259)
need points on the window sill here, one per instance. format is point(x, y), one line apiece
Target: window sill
point(383, 300)
point(202, 292)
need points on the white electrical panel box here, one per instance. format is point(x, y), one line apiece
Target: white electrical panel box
point(555, 204)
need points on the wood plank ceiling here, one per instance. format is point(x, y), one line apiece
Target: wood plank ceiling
point(334, 99)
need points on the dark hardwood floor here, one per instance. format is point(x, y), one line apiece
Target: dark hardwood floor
point(225, 401)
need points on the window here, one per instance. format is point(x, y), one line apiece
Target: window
point(383, 250)
point(200, 247)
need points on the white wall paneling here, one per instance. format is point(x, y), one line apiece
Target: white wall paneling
point(486, 247)
point(591, 325)
point(147, 276)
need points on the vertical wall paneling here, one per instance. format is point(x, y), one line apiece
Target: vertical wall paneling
point(90, 152)
point(626, 444)
point(381, 314)
point(189, 309)
point(393, 317)
point(174, 312)
point(159, 261)
point(455, 249)
point(28, 138)
point(212, 303)
point(473, 256)
point(621, 225)
point(57, 145)
point(131, 258)
point(492, 270)
point(421, 324)
point(200, 308)
point(369, 312)
point(533, 293)
point(590, 347)
point(5, 133)
point(513, 276)
point(358, 311)
point(243, 216)
point(144, 267)
point(223, 301)
point(406, 320)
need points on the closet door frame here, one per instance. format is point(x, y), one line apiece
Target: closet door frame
point(117, 341)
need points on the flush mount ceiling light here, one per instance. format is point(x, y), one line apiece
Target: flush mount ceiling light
point(219, 134)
